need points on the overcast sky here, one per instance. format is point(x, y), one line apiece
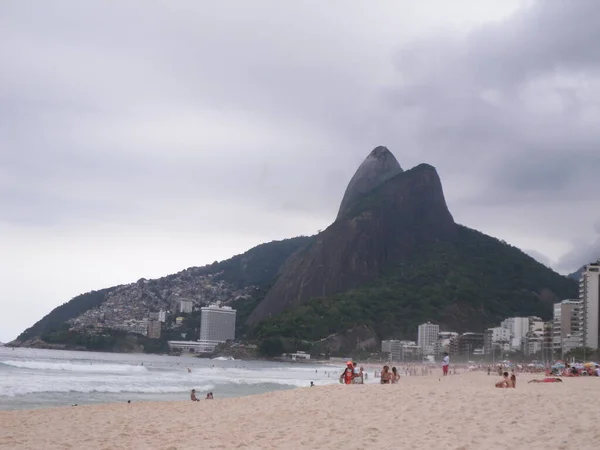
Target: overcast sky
point(138, 138)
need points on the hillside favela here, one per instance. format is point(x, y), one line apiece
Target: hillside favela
point(296, 226)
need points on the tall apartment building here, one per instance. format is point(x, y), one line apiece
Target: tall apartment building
point(467, 344)
point(400, 351)
point(154, 329)
point(518, 327)
point(186, 306)
point(496, 338)
point(589, 294)
point(567, 326)
point(535, 337)
point(217, 324)
point(428, 337)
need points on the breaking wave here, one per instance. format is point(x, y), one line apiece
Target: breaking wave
point(80, 367)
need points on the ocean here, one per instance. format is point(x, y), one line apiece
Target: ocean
point(34, 378)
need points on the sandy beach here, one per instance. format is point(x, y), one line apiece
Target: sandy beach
point(457, 412)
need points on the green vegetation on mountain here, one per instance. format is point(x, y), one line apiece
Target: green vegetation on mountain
point(467, 285)
point(256, 267)
point(73, 308)
point(259, 265)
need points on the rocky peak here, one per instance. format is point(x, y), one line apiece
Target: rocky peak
point(381, 228)
point(376, 169)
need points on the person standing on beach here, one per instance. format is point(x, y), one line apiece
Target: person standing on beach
point(445, 364)
point(347, 375)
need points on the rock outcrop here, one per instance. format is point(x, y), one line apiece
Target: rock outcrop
point(376, 169)
point(381, 227)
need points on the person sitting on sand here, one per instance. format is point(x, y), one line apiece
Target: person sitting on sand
point(209, 396)
point(546, 380)
point(506, 382)
point(386, 375)
point(193, 396)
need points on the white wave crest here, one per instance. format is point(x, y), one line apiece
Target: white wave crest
point(80, 367)
point(16, 390)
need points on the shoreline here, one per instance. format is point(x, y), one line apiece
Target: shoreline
point(456, 412)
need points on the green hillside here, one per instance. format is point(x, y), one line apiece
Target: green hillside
point(467, 285)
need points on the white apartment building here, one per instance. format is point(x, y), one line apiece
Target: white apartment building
point(589, 294)
point(518, 328)
point(535, 336)
point(428, 337)
point(567, 326)
point(186, 306)
point(497, 337)
point(162, 316)
point(217, 324)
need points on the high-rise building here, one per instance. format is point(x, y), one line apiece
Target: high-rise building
point(535, 337)
point(154, 329)
point(400, 351)
point(428, 337)
point(467, 344)
point(217, 324)
point(518, 328)
point(589, 294)
point(496, 338)
point(186, 306)
point(162, 316)
point(567, 326)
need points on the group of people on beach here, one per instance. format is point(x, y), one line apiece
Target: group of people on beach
point(209, 396)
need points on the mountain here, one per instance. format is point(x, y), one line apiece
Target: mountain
point(393, 258)
point(396, 258)
point(376, 169)
point(388, 224)
point(577, 274)
point(228, 281)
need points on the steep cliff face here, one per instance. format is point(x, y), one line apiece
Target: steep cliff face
point(383, 226)
point(376, 169)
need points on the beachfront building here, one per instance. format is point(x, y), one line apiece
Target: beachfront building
point(428, 337)
point(217, 325)
point(186, 306)
point(534, 337)
point(567, 326)
point(443, 342)
point(518, 328)
point(466, 345)
point(496, 339)
point(401, 351)
point(589, 294)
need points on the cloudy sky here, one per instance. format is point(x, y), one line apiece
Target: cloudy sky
point(138, 138)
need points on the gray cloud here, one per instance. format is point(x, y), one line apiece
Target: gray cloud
point(510, 109)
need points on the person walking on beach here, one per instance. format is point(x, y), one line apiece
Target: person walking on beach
point(347, 375)
point(395, 375)
point(386, 375)
point(445, 364)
